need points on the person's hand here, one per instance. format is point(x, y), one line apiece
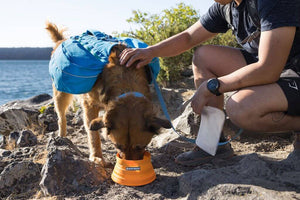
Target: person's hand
point(200, 98)
point(130, 56)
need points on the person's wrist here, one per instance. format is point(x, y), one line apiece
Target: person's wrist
point(213, 86)
point(205, 90)
point(151, 51)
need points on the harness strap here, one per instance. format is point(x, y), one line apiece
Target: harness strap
point(136, 94)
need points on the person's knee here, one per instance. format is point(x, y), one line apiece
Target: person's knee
point(240, 113)
point(200, 57)
point(201, 63)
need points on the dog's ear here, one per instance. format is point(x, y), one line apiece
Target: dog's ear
point(155, 123)
point(97, 124)
point(114, 54)
point(113, 58)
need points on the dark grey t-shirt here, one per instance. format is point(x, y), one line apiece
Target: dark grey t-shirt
point(272, 13)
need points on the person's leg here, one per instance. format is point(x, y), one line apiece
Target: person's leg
point(212, 61)
point(268, 108)
point(261, 109)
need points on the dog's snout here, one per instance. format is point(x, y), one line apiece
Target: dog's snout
point(131, 156)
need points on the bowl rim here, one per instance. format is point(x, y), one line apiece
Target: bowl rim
point(146, 159)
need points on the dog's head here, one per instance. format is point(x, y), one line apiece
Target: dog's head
point(130, 123)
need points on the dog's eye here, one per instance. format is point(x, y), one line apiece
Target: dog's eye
point(109, 128)
point(152, 129)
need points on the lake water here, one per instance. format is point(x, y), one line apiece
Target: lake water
point(21, 79)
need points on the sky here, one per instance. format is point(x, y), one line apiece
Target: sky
point(23, 21)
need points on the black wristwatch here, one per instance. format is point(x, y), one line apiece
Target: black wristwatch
point(213, 85)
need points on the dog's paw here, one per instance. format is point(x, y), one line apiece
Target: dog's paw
point(97, 160)
point(101, 162)
point(96, 124)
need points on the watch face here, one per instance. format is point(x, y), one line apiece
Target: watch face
point(213, 86)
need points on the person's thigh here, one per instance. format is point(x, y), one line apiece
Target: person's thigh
point(215, 61)
point(259, 108)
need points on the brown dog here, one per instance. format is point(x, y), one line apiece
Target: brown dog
point(130, 121)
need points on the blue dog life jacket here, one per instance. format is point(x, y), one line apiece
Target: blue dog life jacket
point(77, 62)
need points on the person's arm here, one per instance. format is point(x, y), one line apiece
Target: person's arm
point(274, 49)
point(172, 46)
point(181, 42)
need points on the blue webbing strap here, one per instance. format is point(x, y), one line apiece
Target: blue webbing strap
point(165, 111)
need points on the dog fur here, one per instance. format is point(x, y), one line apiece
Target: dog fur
point(130, 122)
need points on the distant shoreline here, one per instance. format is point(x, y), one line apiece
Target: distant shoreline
point(25, 53)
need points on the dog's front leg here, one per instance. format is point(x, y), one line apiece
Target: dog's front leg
point(90, 113)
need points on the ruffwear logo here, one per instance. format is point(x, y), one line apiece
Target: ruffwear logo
point(293, 85)
point(133, 168)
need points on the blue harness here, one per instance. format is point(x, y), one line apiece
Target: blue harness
point(77, 62)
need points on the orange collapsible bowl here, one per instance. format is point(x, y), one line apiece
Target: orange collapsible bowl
point(133, 172)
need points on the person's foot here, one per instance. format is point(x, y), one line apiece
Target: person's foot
point(296, 142)
point(198, 157)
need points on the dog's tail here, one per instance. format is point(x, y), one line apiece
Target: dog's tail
point(56, 34)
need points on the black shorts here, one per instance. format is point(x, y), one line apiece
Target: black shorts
point(289, 85)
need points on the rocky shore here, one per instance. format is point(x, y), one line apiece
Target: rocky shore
point(36, 164)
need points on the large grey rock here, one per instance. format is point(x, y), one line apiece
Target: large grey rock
point(67, 170)
point(32, 102)
point(252, 177)
point(19, 177)
point(22, 114)
point(187, 124)
point(17, 119)
point(245, 192)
